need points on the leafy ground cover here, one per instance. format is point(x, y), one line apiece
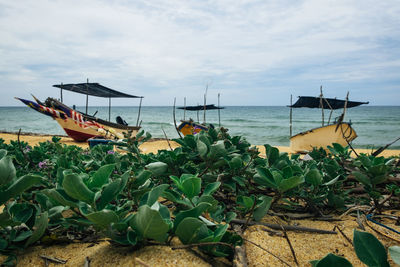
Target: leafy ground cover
point(196, 192)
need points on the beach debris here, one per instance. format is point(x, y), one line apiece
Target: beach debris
point(52, 259)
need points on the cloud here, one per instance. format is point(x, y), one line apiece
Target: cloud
point(160, 49)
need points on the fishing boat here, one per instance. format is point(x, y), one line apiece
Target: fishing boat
point(190, 127)
point(336, 132)
point(82, 126)
point(187, 127)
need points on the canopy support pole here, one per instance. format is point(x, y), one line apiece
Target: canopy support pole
point(184, 108)
point(205, 103)
point(204, 113)
point(140, 107)
point(61, 93)
point(176, 127)
point(87, 95)
point(219, 114)
point(322, 105)
point(109, 109)
point(291, 111)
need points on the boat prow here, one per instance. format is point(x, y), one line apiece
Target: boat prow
point(324, 136)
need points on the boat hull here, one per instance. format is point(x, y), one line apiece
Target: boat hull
point(81, 127)
point(322, 137)
point(82, 132)
point(191, 128)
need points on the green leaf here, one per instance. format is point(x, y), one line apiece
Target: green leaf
point(362, 178)
point(265, 177)
point(3, 153)
point(61, 197)
point(217, 149)
point(75, 188)
point(195, 212)
point(108, 193)
point(21, 212)
point(313, 177)
point(262, 208)
point(369, 249)
point(245, 201)
point(272, 154)
point(191, 187)
point(394, 252)
point(142, 177)
point(150, 224)
point(22, 236)
point(7, 170)
point(155, 193)
point(235, 163)
point(188, 230)
point(287, 184)
point(157, 168)
point(40, 226)
point(211, 188)
point(331, 260)
point(22, 184)
point(103, 218)
point(202, 148)
point(101, 176)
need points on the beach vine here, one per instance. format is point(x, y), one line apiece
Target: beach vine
point(195, 193)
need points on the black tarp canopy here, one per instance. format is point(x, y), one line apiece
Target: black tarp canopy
point(315, 102)
point(200, 107)
point(94, 89)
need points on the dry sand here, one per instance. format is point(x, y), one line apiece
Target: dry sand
point(153, 145)
point(307, 246)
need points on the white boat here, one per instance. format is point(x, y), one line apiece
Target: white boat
point(337, 132)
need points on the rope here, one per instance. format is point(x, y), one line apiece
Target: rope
point(369, 218)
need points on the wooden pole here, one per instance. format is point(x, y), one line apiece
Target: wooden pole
point(198, 119)
point(61, 92)
point(204, 113)
point(205, 103)
point(345, 104)
point(184, 108)
point(219, 114)
point(140, 107)
point(87, 95)
point(109, 109)
point(291, 111)
point(176, 126)
point(321, 105)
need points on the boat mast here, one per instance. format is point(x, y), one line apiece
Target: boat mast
point(321, 105)
point(87, 94)
point(290, 123)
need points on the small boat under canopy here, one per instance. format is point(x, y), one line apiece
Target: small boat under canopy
point(82, 126)
point(337, 132)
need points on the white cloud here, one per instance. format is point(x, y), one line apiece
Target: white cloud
point(163, 49)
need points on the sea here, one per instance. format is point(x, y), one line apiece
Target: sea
point(376, 126)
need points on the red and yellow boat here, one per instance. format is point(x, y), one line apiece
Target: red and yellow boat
point(81, 126)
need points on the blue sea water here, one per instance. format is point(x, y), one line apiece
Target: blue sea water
point(375, 125)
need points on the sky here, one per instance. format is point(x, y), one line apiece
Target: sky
point(251, 52)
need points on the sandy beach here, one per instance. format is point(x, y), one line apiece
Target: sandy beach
point(307, 246)
point(150, 146)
